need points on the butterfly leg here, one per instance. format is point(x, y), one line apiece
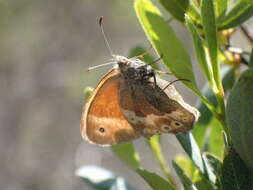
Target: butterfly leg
point(143, 54)
point(156, 60)
point(155, 83)
point(163, 72)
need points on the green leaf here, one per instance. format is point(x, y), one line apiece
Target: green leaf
point(199, 133)
point(88, 91)
point(216, 143)
point(210, 31)
point(235, 175)
point(201, 182)
point(102, 179)
point(241, 12)
point(200, 52)
point(213, 164)
point(138, 50)
point(187, 183)
point(165, 42)
point(127, 154)
point(193, 13)
point(251, 59)
point(155, 146)
point(154, 180)
point(191, 148)
point(239, 116)
point(200, 128)
point(228, 78)
point(186, 163)
point(176, 8)
point(220, 7)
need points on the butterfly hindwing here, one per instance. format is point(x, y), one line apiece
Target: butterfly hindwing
point(157, 111)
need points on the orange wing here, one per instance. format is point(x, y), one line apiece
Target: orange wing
point(102, 121)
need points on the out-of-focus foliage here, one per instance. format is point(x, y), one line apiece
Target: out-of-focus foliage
point(45, 49)
point(102, 179)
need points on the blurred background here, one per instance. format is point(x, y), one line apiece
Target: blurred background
point(45, 47)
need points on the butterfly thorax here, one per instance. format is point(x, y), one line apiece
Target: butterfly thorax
point(135, 70)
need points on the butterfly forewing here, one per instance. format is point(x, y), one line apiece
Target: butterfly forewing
point(102, 120)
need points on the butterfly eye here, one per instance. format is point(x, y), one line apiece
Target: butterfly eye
point(101, 129)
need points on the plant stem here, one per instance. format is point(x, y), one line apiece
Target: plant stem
point(221, 116)
point(155, 146)
point(209, 105)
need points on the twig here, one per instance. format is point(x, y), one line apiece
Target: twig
point(247, 33)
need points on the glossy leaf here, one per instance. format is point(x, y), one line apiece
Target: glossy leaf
point(185, 163)
point(241, 12)
point(191, 148)
point(200, 52)
point(127, 154)
point(239, 116)
point(216, 143)
point(199, 130)
point(193, 13)
point(176, 8)
point(166, 43)
point(210, 31)
point(185, 180)
point(201, 182)
point(235, 175)
point(220, 7)
point(228, 78)
point(102, 179)
point(154, 180)
point(214, 164)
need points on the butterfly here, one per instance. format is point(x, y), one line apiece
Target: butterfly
point(132, 101)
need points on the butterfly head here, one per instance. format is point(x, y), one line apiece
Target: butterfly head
point(133, 68)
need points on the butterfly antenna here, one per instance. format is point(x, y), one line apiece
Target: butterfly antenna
point(97, 66)
point(104, 36)
point(107, 45)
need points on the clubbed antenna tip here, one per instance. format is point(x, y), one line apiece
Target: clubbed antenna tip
point(104, 36)
point(100, 21)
